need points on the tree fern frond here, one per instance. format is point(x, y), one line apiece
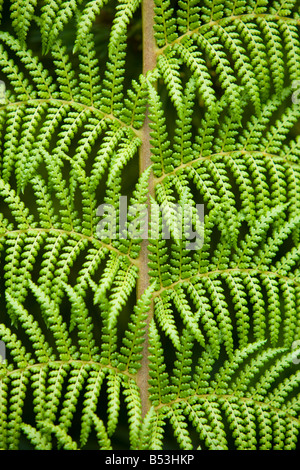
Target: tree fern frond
point(152, 428)
point(169, 68)
point(159, 380)
point(211, 12)
point(90, 87)
point(22, 89)
point(64, 441)
point(290, 34)
point(66, 77)
point(103, 440)
point(124, 12)
point(54, 17)
point(133, 402)
point(86, 19)
point(54, 321)
point(32, 329)
point(165, 23)
point(149, 225)
point(282, 8)
point(192, 58)
point(275, 52)
point(123, 285)
point(135, 104)
point(134, 335)
point(112, 97)
point(179, 426)
point(93, 387)
point(188, 15)
point(75, 385)
point(36, 437)
point(19, 383)
point(160, 144)
point(21, 16)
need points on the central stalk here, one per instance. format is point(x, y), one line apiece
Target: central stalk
point(149, 62)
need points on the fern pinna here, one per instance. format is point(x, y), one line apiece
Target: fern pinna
point(141, 342)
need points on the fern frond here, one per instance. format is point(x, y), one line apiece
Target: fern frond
point(103, 440)
point(192, 58)
point(124, 12)
point(152, 428)
point(22, 15)
point(93, 387)
point(66, 76)
point(165, 23)
point(169, 68)
point(36, 437)
point(188, 15)
point(54, 16)
point(90, 87)
point(177, 327)
point(160, 144)
point(86, 20)
point(159, 380)
point(40, 76)
point(111, 102)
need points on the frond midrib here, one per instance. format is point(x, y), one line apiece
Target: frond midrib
point(92, 239)
point(71, 362)
point(197, 276)
point(213, 397)
point(224, 154)
point(227, 19)
point(74, 104)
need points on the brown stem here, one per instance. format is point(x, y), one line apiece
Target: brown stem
point(149, 62)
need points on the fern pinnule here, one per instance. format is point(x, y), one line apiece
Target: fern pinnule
point(165, 23)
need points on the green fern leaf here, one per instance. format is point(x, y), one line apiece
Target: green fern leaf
point(149, 225)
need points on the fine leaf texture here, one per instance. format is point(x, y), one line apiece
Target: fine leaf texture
point(216, 325)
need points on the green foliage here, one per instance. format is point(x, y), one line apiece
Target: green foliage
point(215, 328)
